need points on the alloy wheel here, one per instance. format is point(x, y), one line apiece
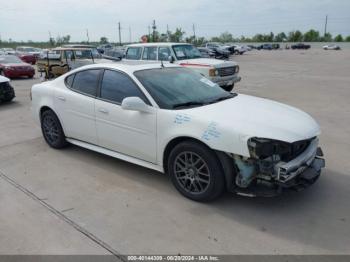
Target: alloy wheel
point(192, 172)
point(51, 129)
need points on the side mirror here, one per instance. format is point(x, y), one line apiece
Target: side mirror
point(171, 59)
point(136, 104)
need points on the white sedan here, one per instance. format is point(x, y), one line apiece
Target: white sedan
point(173, 120)
point(331, 47)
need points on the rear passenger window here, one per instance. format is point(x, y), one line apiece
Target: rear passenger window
point(69, 80)
point(134, 53)
point(164, 53)
point(149, 53)
point(86, 81)
point(117, 86)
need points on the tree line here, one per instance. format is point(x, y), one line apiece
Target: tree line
point(180, 35)
point(226, 37)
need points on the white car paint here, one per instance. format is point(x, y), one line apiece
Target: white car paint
point(331, 47)
point(201, 65)
point(141, 137)
point(4, 79)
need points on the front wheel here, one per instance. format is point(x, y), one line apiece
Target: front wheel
point(52, 130)
point(196, 172)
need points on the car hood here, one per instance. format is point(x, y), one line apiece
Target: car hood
point(248, 116)
point(207, 62)
point(18, 65)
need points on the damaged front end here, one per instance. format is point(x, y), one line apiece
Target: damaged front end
point(277, 165)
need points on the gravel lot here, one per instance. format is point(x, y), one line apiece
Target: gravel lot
point(75, 201)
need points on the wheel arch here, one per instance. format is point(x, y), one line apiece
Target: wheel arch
point(226, 161)
point(46, 108)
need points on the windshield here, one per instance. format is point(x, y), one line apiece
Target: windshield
point(178, 88)
point(183, 52)
point(10, 59)
point(28, 49)
point(83, 54)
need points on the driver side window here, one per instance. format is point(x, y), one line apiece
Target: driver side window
point(164, 53)
point(116, 86)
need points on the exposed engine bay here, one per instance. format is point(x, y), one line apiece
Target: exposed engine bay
point(275, 165)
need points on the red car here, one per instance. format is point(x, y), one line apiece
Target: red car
point(11, 66)
point(27, 58)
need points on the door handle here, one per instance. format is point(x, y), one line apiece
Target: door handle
point(103, 111)
point(61, 98)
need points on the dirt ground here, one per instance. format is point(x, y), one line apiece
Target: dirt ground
point(75, 201)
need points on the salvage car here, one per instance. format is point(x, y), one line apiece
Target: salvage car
point(220, 51)
point(27, 58)
point(224, 73)
point(206, 52)
point(60, 60)
point(28, 50)
point(9, 51)
point(7, 93)
point(174, 120)
point(331, 47)
point(301, 46)
point(11, 66)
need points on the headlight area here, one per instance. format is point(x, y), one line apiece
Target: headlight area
point(274, 165)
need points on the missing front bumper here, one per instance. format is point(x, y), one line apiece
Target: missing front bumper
point(297, 174)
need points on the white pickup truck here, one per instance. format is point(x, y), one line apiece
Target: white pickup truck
point(224, 73)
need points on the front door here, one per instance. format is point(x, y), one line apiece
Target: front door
point(131, 133)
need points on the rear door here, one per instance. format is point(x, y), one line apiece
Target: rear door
point(76, 105)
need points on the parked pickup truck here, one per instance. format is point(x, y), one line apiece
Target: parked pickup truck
point(224, 73)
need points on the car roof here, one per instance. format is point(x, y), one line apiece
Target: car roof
point(71, 49)
point(79, 46)
point(156, 44)
point(129, 67)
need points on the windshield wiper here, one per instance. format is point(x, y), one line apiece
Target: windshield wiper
point(232, 95)
point(187, 104)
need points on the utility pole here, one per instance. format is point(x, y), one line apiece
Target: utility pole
point(154, 27)
point(130, 34)
point(120, 34)
point(168, 33)
point(87, 35)
point(194, 32)
point(149, 33)
point(325, 26)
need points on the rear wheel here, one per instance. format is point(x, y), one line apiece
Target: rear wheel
point(196, 172)
point(52, 130)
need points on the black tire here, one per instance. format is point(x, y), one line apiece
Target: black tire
point(203, 180)
point(228, 88)
point(7, 100)
point(52, 130)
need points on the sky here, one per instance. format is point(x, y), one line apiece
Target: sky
point(34, 19)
